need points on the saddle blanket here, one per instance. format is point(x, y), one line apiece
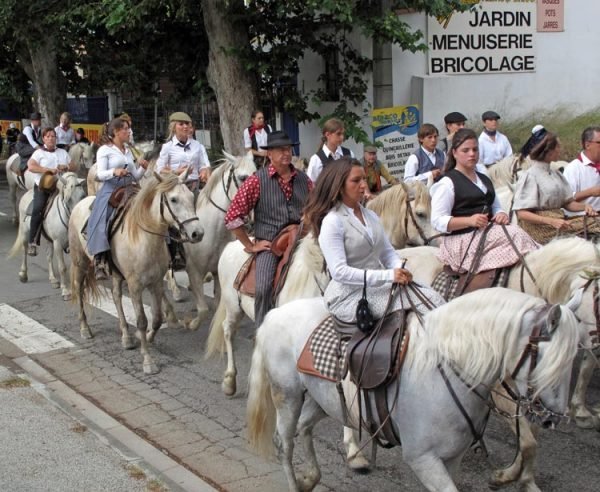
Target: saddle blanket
point(321, 356)
point(447, 285)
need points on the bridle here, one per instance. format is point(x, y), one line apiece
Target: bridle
point(65, 220)
point(231, 178)
point(410, 213)
point(181, 235)
point(533, 408)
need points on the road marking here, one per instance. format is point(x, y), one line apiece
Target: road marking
point(27, 334)
point(106, 304)
point(3, 214)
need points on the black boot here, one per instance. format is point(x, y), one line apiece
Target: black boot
point(101, 268)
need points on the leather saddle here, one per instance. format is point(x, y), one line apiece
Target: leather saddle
point(468, 282)
point(283, 247)
point(49, 202)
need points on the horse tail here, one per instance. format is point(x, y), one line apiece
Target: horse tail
point(18, 246)
point(260, 410)
point(84, 286)
point(216, 337)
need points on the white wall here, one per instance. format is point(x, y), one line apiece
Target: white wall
point(567, 76)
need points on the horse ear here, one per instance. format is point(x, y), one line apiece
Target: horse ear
point(157, 176)
point(184, 175)
point(411, 193)
point(553, 318)
point(575, 301)
point(62, 179)
point(228, 156)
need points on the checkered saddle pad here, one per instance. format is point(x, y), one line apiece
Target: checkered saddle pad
point(447, 285)
point(322, 356)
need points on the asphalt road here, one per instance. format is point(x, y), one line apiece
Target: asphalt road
point(567, 459)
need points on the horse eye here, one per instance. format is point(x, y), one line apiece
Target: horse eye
point(173, 200)
point(421, 215)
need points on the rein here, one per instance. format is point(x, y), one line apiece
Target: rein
point(411, 214)
point(226, 187)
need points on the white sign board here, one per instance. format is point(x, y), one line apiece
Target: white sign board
point(497, 36)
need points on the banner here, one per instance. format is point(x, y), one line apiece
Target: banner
point(92, 132)
point(396, 129)
point(498, 36)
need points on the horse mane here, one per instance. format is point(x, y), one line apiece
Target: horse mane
point(479, 338)
point(223, 166)
point(140, 216)
point(567, 258)
point(306, 274)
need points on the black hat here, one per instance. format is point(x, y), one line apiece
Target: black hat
point(35, 116)
point(454, 117)
point(81, 131)
point(490, 115)
point(277, 139)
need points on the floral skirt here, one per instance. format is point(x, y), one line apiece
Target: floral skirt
point(458, 251)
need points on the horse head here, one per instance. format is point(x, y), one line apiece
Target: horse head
point(243, 166)
point(71, 189)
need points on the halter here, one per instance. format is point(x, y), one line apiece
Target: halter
point(226, 187)
point(182, 235)
point(65, 221)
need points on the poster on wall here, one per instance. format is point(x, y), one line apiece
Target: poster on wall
point(395, 133)
point(493, 37)
point(550, 15)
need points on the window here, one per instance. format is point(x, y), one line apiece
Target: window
point(332, 86)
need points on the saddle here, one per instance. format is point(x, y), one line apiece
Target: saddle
point(45, 211)
point(283, 247)
point(120, 201)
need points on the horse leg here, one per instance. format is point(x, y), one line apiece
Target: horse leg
point(197, 286)
point(582, 415)
point(127, 341)
point(289, 403)
point(310, 415)
point(354, 457)
point(229, 385)
point(23, 277)
point(432, 473)
point(51, 275)
point(173, 287)
point(157, 315)
point(78, 273)
point(12, 195)
point(142, 324)
point(169, 312)
point(62, 270)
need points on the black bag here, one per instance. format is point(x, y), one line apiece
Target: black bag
point(364, 318)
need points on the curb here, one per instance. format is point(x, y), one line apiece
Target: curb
point(111, 432)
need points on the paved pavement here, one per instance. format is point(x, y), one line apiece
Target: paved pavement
point(181, 413)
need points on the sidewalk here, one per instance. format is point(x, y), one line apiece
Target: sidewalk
point(53, 439)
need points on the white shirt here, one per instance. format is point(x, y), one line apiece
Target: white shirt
point(109, 158)
point(492, 151)
point(174, 155)
point(412, 166)
point(65, 137)
point(580, 177)
point(442, 201)
point(315, 166)
point(49, 160)
point(331, 241)
point(261, 138)
point(28, 132)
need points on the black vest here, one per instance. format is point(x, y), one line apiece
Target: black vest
point(273, 211)
point(37, 136)
point(326, 160)
point(469, 199)
point(266, 128)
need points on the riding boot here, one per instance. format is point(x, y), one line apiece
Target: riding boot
point(177, 255)
point(101, 267)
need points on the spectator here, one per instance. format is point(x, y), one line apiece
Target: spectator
point(12, 134)
point(493, 145)
point(255, 137)
point(428, 161)
point(374, 170)
point(454, 121)
point(80, 136)
point(330, 149)
point(65, 136)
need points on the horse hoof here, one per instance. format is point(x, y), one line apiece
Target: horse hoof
point(588, 422)
point(359, 464)
point(23, 277)
point(498, 480)
point(55, 285)
point(127, 343)
point(208, 278)
point(86, 333)
point(150, 336)
point(66, 297)
point(229, 386)
point(150, 368)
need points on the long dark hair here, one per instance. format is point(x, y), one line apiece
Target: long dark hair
point(327, 192)
point(459, 138)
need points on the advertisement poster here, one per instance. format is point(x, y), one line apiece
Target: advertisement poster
point(395, 133)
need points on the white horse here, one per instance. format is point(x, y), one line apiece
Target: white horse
point(55, 227)
point(283, 403)
point(405, 213)
point(557, 269)
point(507, 171)
point(203, 257)
point(139, 253)
point(83, 155)
point(79, 153)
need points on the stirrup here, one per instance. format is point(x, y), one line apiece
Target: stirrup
point(32, 249)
